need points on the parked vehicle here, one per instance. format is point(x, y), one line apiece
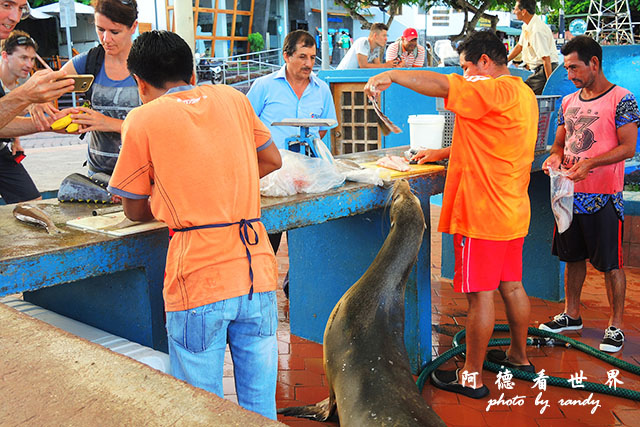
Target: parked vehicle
point(211, 69)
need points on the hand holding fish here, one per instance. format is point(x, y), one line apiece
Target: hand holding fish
point(580, 171)
point(554, 161)
point(377, 84)
point(430, 156)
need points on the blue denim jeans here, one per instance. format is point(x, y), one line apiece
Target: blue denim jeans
point(198, 339)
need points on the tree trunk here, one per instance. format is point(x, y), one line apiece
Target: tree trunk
point(365, 25)
point(478, 13)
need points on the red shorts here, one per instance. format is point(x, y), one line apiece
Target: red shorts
point(482, 264)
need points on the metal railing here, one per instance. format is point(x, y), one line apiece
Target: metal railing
point(243, 69)
point(240, 70)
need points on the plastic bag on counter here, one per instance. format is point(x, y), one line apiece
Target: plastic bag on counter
point(350, 169)
point(356, 173)
point(300, 174)
point(561, 199)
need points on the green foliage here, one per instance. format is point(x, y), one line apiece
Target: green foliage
point(256, 42)
point(581, 7)
point(355, 8)
point(38, 3)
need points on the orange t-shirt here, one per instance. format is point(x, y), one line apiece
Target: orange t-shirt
point(194, 153)
point(494, 137)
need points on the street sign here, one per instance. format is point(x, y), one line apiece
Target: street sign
point(68, 14)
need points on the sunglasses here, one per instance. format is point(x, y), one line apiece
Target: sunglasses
point(24, 40)
point(25, 10)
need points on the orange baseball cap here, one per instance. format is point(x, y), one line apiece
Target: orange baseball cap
point(410, 34)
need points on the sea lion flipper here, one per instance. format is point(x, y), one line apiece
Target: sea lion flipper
point(321, 411)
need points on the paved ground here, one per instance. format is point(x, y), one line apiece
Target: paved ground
point(51, 157)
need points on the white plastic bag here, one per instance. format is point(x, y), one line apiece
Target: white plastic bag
point(300, 174)
point(350, 169)
point(561, 199)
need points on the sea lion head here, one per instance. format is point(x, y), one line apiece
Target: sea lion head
point(405, 206)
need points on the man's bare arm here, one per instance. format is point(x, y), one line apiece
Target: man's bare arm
point(269, 160)
point(516, 50)
point(546, 63)
point(627, 135)
point(364, 63)
point(43, 86)
point(425, 82)
point(137, 209)
point(19, 126)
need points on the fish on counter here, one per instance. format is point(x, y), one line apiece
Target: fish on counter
point(33, 215)
point(394, 162)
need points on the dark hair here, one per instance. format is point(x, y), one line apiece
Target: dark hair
point(528, 5)
point(294, 38)
point(483, 42)
point(18, 38)
point(123, 12)
point(378, 27)
point(585, 47)
point(160, 57)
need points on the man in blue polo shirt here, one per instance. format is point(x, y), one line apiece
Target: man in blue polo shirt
point(294, 91)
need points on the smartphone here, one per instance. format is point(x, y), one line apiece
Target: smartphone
point(82, 82)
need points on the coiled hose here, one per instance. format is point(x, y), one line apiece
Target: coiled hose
point(549, 338)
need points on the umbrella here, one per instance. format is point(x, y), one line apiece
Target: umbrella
point(55, 8)
point(35, 14)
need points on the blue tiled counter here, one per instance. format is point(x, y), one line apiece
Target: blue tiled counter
point(115, 284)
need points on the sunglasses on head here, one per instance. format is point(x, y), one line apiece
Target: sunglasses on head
point(24, 40)
point(25, 10)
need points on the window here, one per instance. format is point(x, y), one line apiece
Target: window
point(222, 27)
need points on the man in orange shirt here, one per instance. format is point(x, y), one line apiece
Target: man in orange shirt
point(192, 157)
point(485, 204)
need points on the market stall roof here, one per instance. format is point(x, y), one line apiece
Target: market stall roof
point(510, 31)
point(36, 14)
point(55, 8)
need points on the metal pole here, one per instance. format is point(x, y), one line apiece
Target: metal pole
point(325, 35)
point(68, 32)
point(184, 22)
point(561, 22)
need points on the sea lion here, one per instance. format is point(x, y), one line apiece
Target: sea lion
point(365, 359)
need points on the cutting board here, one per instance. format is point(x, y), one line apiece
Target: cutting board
point(107, 224)
point(415, 169)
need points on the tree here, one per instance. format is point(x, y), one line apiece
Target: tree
point(38, 3)
point(581, 7)
point(355, 8)
point(473, 9)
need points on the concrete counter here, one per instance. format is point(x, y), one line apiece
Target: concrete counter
point(50, 377)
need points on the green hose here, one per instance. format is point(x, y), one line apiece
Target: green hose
point(556, 381)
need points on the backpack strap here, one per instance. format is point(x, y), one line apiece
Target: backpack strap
point(95, 60)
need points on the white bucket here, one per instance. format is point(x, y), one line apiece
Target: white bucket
point(425, 131)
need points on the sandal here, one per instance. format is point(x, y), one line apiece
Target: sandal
point(448, 380)
point(499, 357)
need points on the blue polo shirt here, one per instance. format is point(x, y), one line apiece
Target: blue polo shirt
point(273, 99)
